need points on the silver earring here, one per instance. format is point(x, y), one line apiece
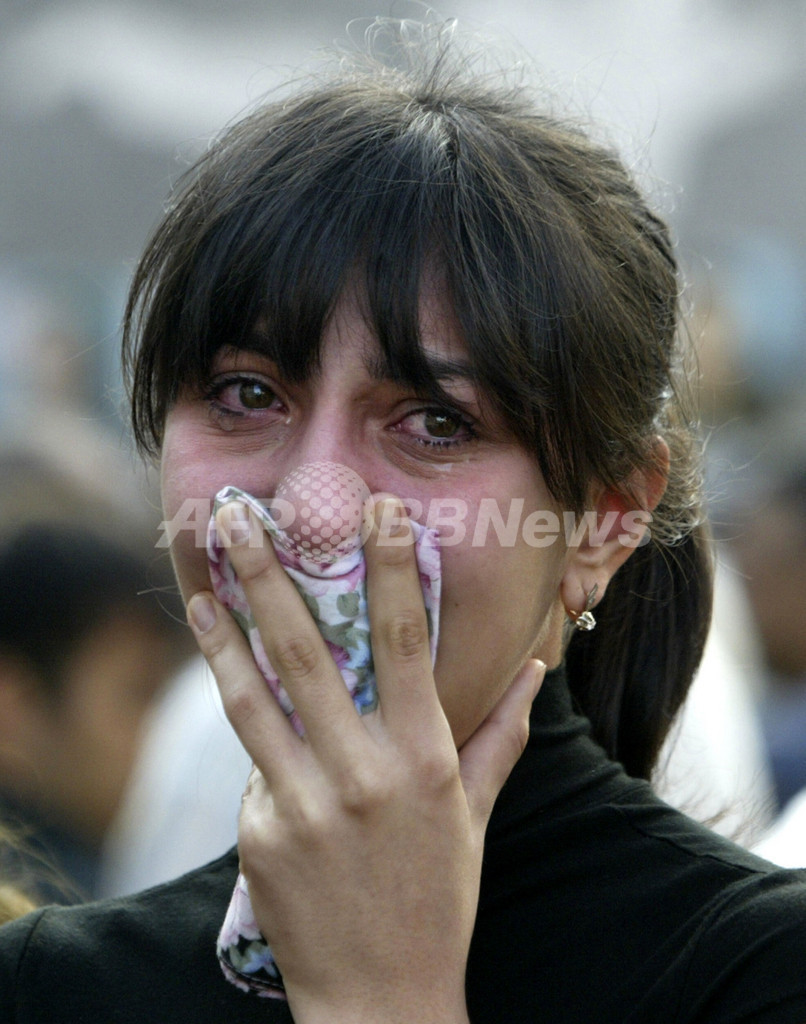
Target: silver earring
point(585, 620)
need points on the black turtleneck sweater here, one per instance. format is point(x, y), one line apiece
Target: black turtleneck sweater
point(599, 903)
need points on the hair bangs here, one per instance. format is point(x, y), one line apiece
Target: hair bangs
point(315, 205)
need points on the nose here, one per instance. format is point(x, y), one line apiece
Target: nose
point(327, 510)
point(321, 502)
point(326, 431)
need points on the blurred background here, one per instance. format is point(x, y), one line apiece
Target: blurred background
point(104, 103)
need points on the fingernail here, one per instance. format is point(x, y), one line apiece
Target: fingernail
point(238, 523)
point(533, 673)
point(201, 613)
point(394, 522)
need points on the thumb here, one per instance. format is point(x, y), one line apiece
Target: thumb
point(488, 757)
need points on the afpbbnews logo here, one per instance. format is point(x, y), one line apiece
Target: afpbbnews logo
point(325, 503)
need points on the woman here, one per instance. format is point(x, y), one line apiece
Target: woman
point(420, 278)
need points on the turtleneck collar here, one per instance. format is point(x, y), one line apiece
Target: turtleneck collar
point(560, 763)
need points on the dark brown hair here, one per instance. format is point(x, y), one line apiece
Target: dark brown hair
point(563, 280)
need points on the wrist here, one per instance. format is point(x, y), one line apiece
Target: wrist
point(383, 1008)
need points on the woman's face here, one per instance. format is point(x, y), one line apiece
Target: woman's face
point(499, 597)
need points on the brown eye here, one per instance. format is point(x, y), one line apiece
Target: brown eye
point(437, 428)
point(442, 424)
point(252, 394)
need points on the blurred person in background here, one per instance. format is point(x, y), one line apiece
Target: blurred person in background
point(179, 808)
point(743, 222)
point(85, 645)
point(770, 548)
point(771, 552)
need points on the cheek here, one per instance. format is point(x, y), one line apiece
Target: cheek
point(496, 608)
point(188, 483)
point(499, 592)
point(186, 470)
point(495, 564)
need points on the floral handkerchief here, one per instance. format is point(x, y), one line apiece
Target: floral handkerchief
point(335, 592)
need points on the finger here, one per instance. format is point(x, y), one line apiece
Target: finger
point(250, 706)
point(291, 638)
point(398, 622)
point(488, 757)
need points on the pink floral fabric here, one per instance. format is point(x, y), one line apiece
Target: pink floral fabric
point(336, 595)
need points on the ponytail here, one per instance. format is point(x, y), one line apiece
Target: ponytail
point(631, 674)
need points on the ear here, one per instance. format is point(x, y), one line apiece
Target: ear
point(610, 530)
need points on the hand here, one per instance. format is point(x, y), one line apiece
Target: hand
point(361, 842)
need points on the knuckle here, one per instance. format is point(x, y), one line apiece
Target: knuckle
point(213, 644)
point(297, 819)
point(239, 704)
point(407, 635)
point(296, 656)
point(398, 554)
point(305, 817)
point(362, 790)
point(438, 770)
point(252, 564)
